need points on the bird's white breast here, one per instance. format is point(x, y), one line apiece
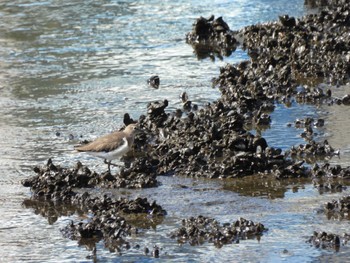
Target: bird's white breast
point(114, 154)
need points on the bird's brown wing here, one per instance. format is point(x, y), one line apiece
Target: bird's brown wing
point(105, 143)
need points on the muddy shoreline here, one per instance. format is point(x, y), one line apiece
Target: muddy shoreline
point(292, 59)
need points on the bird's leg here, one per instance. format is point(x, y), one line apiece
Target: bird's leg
point(109, 165)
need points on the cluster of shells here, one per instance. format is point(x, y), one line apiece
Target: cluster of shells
point(327, 178)
point(312, 151)
point(294, 50)
point(211, 38)
point(326, 240)
point(198, 230)
point(289, 59)
point(52, 180)
point(215, 141)
point(338, 208)
point(109, 219)
point(61, 186)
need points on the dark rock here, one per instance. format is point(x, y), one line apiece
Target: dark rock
point(287, 21)
point(128, 120)
point(211, 37)
point(327, 240)
point(154, 82)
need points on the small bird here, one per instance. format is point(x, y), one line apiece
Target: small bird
point(111, 146)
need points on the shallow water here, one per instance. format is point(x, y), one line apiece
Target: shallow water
point(69, 71)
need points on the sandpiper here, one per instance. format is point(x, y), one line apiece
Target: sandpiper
point(111, 146)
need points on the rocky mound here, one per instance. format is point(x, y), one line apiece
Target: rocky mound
point(63, 186)
point(198, 230)
point(338, 208)
point(211, 37)
point(215, 141)
point(326, 240)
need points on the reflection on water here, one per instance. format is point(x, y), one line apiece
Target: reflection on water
point(52, 211)
point(70, 70)
point(265, 185)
